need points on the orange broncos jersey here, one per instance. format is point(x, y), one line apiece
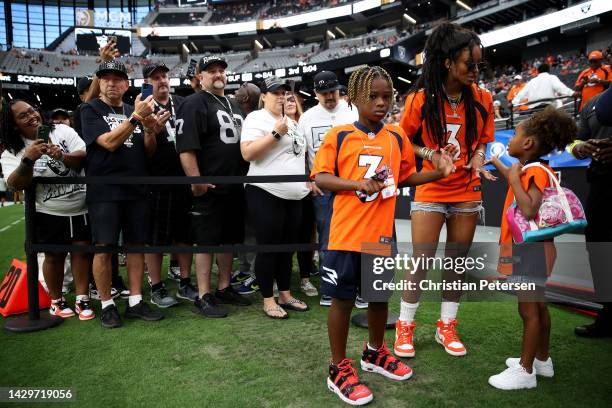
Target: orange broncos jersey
point(347, 152)
point(541, 180)
point(462, 185)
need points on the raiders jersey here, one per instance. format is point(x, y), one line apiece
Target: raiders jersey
point(210, 126)
point(165, 161)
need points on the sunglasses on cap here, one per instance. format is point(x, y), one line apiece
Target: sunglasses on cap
point(471, 65)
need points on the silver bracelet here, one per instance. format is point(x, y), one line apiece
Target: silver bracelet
point(481, 154)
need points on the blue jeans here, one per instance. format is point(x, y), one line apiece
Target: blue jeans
point(321, 209)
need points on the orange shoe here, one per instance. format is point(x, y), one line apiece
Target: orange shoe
point(381, 361)
point(446, 335)
point(343, 382)
point(60, 309)
point(404, 345)
point(84, 310)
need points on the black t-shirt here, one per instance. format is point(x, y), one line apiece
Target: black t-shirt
point(590, 128)
point(209, 126)
point(129, 159)
point(76, 118)
point(165, 160)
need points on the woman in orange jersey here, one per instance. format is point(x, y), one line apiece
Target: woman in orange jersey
point(446, 112)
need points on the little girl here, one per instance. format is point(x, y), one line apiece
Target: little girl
point(535, 137)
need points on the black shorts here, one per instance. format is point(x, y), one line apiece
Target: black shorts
point(109, 219)
point(61, 230)
point(170, 220)
point(342, 277)
point(218, 219)
point(529, 264)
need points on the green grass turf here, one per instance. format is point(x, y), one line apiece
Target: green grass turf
point(248, 360)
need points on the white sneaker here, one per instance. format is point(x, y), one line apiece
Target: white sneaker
point(542, 368)
point(360, 303)
point(174, 273)
point(308, 288)
point(514, 378)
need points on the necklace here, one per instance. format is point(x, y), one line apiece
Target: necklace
point(453, 102)
point(115, 112)
point(227, 108)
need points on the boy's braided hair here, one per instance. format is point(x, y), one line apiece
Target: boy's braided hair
point(360, 83)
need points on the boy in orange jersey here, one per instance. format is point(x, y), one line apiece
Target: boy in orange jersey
point(350, 163)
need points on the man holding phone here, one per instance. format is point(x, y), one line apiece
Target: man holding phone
point(208, 138)
point(170, 204)
point(119, 137)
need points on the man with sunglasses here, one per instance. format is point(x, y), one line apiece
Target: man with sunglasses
point(332, 110)
point(593, 80)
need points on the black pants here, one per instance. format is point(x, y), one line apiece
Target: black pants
point(598, 235)
point(276, 221)
point(307, 228)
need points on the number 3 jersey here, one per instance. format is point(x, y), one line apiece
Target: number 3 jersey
point(350, 153)
point(207, 125)
point(462, 185)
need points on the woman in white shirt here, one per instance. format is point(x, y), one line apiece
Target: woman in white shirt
point(293, 109)
point(271, 143)
point(36, 149)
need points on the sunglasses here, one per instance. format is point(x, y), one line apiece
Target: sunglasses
point(291, 99)
point(471, 65)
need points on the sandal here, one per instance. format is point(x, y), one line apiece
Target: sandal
point(290, 305)
point(276, 308)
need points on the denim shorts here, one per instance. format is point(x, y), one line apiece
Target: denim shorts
point(449, 209)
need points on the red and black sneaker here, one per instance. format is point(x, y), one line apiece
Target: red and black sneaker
point(343, 381)
point(381, 361)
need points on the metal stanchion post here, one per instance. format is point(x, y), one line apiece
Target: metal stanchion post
point(34, 321)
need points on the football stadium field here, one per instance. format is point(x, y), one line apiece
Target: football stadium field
point(248, 360)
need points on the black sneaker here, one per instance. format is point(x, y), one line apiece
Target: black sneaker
point(207, 306)
point(228, 296)
point(142, 311)
point(110, 317)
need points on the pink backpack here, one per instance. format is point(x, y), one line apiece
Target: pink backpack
point(560, 212)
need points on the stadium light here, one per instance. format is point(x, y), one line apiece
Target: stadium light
point(331, 35)
point(409, 19)
point(10, 96)
point(258, 45)
point(404, 80)
point(306, 94)
point(463, 5)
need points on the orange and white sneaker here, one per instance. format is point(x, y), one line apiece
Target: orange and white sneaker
point(343, 382)
point(404, 345)
point(84, 310)
point(446, 335)
point(60, 308)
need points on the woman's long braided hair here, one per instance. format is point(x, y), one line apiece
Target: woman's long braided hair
point(360, 83)
point(447, 40)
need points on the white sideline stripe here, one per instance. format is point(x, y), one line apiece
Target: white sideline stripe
point(11, 224)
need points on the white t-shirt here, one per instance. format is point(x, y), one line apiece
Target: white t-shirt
point(286, 157)
point(53, 199)
point(316, 122)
